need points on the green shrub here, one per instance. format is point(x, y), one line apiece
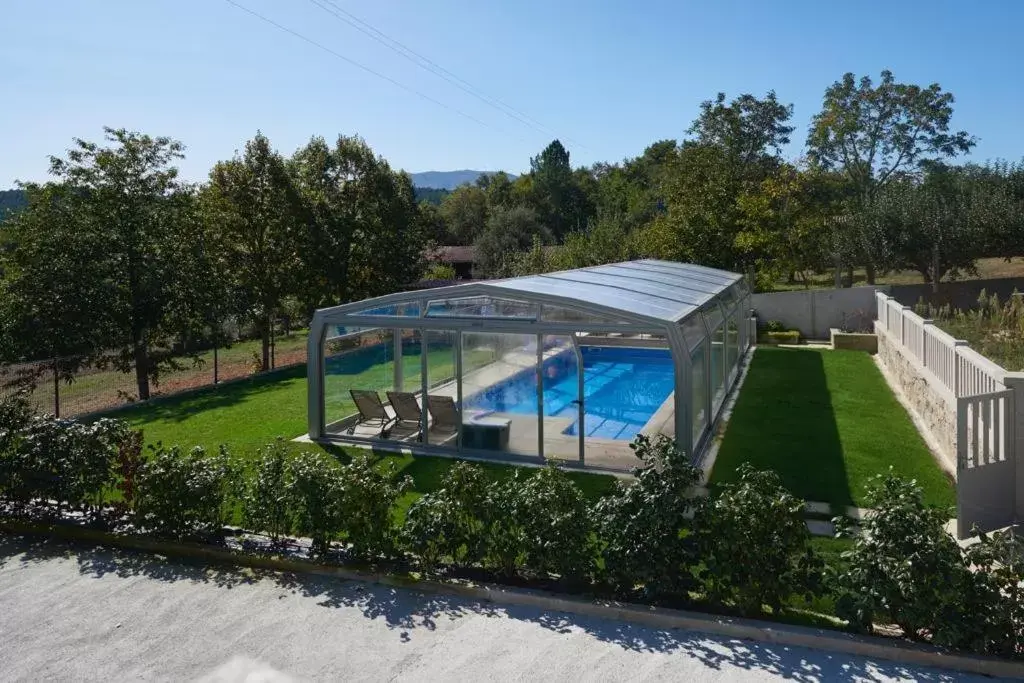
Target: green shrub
point(369, 493)
point(644, 526)
point(904, 568)
point(774, 326)
point(315, 491)
point(754, 544)
point(62, 461)
point(185, 494)
point(266, 504)
point(448, 525)
point(998, 568)
point(786, 337)
point(558, 527)
point(15, 415)
point(505, 536)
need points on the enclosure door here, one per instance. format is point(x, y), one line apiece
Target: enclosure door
point(500, 392)
point(562, 389)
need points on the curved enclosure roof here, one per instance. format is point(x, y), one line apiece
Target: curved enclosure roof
point(647, 290)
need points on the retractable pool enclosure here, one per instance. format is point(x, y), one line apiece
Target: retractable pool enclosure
point(569, 365)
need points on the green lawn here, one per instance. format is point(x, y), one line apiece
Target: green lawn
point(247, 414)
point(827, 422)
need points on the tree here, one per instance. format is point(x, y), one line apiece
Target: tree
point(735, 147)
point(555, 194)
point(875, 134)
point(255, 217)
point(116, 242)
point(499, 190)
point(748, 128)
point(465, 213)
point(508, 231)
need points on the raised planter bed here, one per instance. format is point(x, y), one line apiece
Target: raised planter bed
point(853, 341)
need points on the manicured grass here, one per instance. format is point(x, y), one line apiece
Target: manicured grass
point(248, 414)
point(827, 422)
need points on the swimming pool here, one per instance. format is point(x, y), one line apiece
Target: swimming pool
point(623, 388)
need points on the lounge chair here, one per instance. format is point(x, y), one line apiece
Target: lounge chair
point(371, 409)
point(407, 410)
point(445, 413)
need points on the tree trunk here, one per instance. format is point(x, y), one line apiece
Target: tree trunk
point(849, 276)
point(265, 339)
point(869, 269)
point(141, 370)
point(839, 275)
point(936, 268)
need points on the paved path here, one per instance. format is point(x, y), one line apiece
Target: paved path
point(73, 613)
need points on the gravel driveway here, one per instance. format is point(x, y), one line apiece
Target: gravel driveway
point(76, 613)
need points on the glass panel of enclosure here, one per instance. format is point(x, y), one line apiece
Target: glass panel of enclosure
point(699, 390)
point(561, 374)
point(483, 307)
point(561, 314)
point(732, 338)
point(443, 404)
point(716, 326)
point(500, 392)
point(358, 362)
point(628, 389)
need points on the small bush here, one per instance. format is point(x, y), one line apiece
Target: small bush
point(644, 525)
point(774, 326)
point(558, 526)
point(505, 544)
point(266, 504)
point(754, 544)
point(448, 525)
point(904, 568)
point(369, 493)
point(998, 569)
point(61, 461)
point(786, 337)
point(185, 494)
point(15, 416)
point(315, 491)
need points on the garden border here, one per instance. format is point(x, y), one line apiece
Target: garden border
point(656, 617)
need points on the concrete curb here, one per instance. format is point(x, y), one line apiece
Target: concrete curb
point(655, 617)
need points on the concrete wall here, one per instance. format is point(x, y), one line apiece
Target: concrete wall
point(815, 311)
point(933, 404)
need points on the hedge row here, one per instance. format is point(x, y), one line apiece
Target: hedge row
point(746, 548)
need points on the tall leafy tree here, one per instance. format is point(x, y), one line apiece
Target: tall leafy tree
point(465, 213)
point(122, 228)
point(736, 145)
point(748, 128)
point(255, 218)
point(555, 193)
point(509, 231)
point(875, 134)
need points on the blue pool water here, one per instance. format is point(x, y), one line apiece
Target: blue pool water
point(623, 387)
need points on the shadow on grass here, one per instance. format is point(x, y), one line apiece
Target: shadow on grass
point(784, 420)
point(408, 613)
point(215, 397)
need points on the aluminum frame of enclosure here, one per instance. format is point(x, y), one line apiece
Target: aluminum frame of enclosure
point(645, 296)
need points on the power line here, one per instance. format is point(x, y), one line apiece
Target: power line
point(364, 67)
point(433, 67)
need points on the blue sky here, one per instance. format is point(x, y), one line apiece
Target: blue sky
point(606, 77)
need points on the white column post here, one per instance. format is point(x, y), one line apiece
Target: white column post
point(1015, 381)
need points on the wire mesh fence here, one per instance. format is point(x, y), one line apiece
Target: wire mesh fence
point(101, 387)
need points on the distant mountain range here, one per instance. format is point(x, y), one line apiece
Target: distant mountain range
point(449, 180)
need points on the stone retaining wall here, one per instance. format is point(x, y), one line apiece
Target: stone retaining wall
point(933, 405)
